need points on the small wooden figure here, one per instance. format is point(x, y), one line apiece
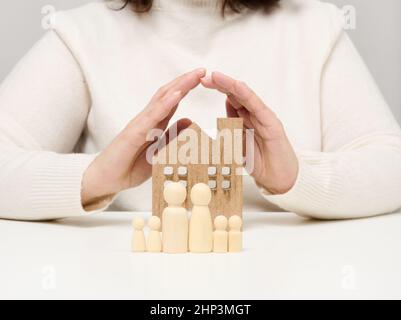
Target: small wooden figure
point(235, 234)
point(138, 239)
point(175, 219)
point(200, 225)
point(154, 243)
point(220, 236)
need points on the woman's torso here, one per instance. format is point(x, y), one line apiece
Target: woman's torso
point(126, 57)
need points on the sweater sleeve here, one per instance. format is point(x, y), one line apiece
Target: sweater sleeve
point(358, 171)
point(44, 105)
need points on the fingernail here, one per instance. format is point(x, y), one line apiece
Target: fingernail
point(200, 71)
point(217, 73)
point(220, 79)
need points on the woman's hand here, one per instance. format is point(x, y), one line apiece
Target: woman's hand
point(276, 165)
point(123, 163)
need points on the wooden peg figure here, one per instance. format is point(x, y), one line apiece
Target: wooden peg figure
point(138, 239)
point(154, 243)
point(175, 219)
point(220, 236)
point(235, 234)
point(200, 225)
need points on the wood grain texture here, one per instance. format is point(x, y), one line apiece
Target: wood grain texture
point(224, 152)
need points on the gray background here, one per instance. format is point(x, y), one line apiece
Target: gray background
point(378, 37)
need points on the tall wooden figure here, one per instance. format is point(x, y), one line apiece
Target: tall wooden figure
point(175, 219)
point(200, 226)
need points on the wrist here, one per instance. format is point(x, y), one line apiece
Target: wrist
point(95, 186)
point(274, 188)
point(279, 184)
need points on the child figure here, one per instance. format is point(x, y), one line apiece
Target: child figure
point(154, 243)
point(235, 234)
point(220, 237)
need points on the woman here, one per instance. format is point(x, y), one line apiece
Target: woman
point(73, 128)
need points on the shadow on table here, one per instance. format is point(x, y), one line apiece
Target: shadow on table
point(94, 221)
point(284, 219)
point(287, 219)
point(252, 220)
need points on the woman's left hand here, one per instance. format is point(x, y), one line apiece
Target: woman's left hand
point(275, 163)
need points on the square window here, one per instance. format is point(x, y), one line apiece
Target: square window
point(212, 184)
point(226, 171)
point(182, 171)
point(212, 171)
point(168, 171)
point(226, 184)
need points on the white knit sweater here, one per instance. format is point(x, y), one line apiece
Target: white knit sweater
point(85, 79)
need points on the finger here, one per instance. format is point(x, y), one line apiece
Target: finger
point(138, 129)
point(163, 124)
point(141, 158)
point(234, 102)
point(158, 113)
point(231, 112)
point(173, 131)
point(160, 109)
point(188, 82)
point(234, 113)
point(197, 74)
point(208, 83)
point(163, 108)
point(245, 115)
point(244, 95)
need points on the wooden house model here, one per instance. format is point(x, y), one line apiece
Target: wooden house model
point(193, 157)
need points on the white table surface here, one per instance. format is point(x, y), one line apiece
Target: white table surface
point(285, 256)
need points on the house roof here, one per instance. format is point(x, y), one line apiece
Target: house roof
point(223, 123)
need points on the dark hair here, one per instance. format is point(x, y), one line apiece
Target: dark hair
point(234, 5)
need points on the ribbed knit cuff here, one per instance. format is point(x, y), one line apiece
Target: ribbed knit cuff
point(56, 187)
point(316, 189)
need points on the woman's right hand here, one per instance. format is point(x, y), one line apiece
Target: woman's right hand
point(123, 163)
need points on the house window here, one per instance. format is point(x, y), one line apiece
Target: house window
point(184, 183)
point(212, 171)
point(226, 185)
point(182, 171)
point(226, 171)
point(213, 184)
point(168, 171)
